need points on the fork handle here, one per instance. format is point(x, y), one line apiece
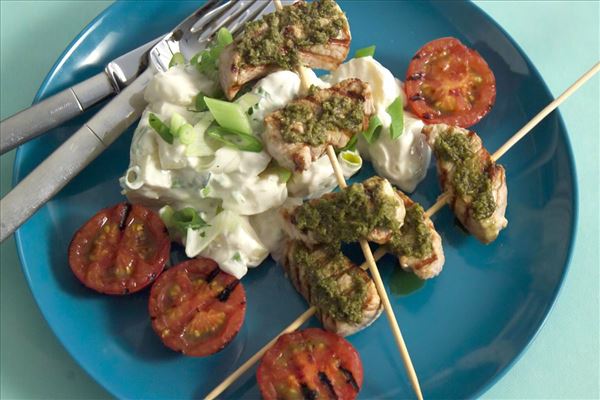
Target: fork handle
point(53, 111)
point(72, 156)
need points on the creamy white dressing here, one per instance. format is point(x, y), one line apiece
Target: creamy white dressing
point(178, 85)
point(278, 89)
point(403, 161)
point(230, 188)
point(319, 179)
point(230, 240)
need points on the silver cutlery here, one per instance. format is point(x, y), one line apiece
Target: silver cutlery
point(189, 37)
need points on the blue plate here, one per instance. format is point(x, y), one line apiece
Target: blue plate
point(464, 329)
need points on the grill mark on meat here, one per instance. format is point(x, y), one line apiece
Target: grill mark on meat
point(417, 97)
point(124, 215)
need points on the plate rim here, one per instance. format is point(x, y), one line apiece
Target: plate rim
point(79, 38)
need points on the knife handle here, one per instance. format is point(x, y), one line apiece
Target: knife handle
point(53, 111)
point(72, 156)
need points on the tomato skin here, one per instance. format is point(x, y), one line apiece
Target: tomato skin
point(120, 250)
point(312, 363)
point(197, 309)
point(447, 82)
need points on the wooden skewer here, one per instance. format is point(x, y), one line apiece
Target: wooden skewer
point(387, 306)
point(443, 199)
point(252, 360)
point(380, 252)
point(292, 327)
point(547, 110)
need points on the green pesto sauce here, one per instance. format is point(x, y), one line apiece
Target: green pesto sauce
point(468, 179)
point(403, 283)
point(341, 304)
point(277, 37)
point(300, 125)
point(414, 239)
point(348, 217)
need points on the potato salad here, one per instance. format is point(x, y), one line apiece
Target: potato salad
point(219, 193)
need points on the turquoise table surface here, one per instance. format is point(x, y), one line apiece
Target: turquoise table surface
point(563, 40)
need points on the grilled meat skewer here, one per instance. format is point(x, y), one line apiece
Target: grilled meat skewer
point(345, 296)
point(418, 246)
point(369, 210)
point(299, 133)
point(475, 183)
point(315, 35)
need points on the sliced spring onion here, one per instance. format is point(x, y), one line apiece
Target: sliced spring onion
point(199, 103)
point(196, 145)
point(238, 140)
point(230, 116)
point(187, 218)
point(351, 157)
point(365, 52)
point(177, 59)
point(374, 130)
point(181, 220)
point(207, 60)
point(166, 214)
point(284, 174)
point(247, 101)
point(224, 37)
point(177, 121)
point(186, 134)
point(163, 130)
point(396, 111)
point(351, 145)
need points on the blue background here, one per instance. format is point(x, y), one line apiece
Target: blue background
point(563, 362)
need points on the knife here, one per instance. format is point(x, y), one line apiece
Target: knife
point(61, 107)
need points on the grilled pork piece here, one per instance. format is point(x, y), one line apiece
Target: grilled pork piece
point(418, 246)
point(476, 184)
point(371, 210)
point(345, 296)
point(299, 133)
point(316, 35)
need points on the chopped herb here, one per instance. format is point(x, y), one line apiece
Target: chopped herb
point(365, 52)
point(349, 215)
point(301, 123)
point(374, 130)
point(163, 130)
point(238, 140)
point(470, 178)
point(396, 111)
point(272, 40)
point(237, 257)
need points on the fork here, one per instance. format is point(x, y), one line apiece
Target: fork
point(189, 37)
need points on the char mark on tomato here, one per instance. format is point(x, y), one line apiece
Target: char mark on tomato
point(327, 382)
point(197, 309)
point(120, 250)
point(213, 274)
point(310, 364)
point(124, 215)
point(308, 393)
point(226, 292)
point(350, 378)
